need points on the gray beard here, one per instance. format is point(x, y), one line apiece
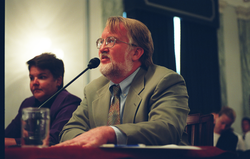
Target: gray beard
point(112, 70)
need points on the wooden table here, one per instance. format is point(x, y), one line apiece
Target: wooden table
point(75, 152)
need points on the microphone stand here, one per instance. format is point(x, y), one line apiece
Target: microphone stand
point(63, 88)
point(93, 63)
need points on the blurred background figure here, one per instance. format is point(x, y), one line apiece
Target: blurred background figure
point(224, 137)
point(246, 131)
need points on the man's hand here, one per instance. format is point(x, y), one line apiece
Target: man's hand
point(9, 141)
point(92, 138)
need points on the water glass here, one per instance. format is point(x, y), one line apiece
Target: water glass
point(35, 127)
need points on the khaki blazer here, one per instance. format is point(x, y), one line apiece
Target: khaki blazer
point(155, 110)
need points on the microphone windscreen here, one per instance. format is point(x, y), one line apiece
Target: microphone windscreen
point(93, 63)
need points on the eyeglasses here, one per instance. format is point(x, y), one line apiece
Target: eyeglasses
point(110, 42)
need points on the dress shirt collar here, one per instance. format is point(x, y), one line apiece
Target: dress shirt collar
point(125, 84)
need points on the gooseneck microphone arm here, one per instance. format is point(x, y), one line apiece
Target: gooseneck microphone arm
point(93, 63)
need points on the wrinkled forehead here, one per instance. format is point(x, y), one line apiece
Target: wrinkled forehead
point(118, 29)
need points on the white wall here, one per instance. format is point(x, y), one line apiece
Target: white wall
point(64, 23)
point(232, 64)
point(95, 32)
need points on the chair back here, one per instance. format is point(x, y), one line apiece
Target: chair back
point(200, 129)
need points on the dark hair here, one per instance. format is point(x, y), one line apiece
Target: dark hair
point(50, 62)
point(246, 119)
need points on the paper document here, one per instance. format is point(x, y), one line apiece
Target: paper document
point(142, 146)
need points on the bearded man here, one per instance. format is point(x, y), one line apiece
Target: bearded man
point(151, 107)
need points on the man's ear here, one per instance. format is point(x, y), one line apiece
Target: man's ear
point(59, 81)
point(137, 53)
point(216, 115)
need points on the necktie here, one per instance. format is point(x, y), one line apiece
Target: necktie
point(114, 110)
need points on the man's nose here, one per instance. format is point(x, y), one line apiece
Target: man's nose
point(35, 81)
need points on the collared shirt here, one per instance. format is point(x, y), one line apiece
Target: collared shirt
point(247, 140)
point(124, 85)
point(216, 138)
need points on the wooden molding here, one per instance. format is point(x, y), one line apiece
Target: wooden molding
point(243, 13)
point(222, 5)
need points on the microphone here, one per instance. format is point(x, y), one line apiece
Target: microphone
point(93, 63)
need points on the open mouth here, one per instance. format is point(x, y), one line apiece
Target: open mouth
point(105, 58)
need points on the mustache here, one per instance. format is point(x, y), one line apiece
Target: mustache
point(105, 55)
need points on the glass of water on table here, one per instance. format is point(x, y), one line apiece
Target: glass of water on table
point(35, 127)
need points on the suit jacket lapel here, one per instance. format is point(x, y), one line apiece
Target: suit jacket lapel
point(101, 106)
point(133, 99)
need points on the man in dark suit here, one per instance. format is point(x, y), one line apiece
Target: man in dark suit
point(153, 103)
point(224, 137)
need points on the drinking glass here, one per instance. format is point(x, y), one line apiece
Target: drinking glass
point(35, 127)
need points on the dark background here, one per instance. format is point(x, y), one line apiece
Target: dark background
point(2, 5)
point(199, 50)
